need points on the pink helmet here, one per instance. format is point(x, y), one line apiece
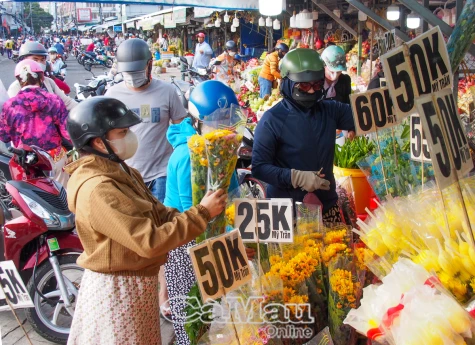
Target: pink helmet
point(200, 35)
point(27, 66)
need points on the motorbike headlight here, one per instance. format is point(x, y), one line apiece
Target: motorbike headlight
point(48, 218)
point(93, 83)
point(202, 71)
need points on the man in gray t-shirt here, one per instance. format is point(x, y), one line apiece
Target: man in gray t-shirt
point(156, 102)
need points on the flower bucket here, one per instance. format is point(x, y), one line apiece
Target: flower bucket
point(361, 187)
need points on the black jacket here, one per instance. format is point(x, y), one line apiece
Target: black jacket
point(343, 89)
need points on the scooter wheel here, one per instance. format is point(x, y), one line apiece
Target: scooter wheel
point(257, 187)
point(40, 317)
point(109, 63)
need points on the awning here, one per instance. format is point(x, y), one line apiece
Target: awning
point(229, 5)
point(108, 24)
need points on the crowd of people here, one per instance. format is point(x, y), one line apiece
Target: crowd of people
point(131, 187)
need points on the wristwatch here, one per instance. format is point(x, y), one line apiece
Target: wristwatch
point(203, 211)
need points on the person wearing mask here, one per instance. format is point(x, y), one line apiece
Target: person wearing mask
point(157, 103)
point(225, 69)
point(204, 100)
point(203, 53)
point(337, 85)
point(37, 52)
point(58, 67)
point(36, 117)
point(270, 70)
point(9, 47)
point(294, 143)
point(126, 232)
point(59, 47)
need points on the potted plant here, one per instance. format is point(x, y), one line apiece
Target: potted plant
point(346, 158)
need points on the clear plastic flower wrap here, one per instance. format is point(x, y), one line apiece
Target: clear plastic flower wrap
point(199, 167)
point(222, 131)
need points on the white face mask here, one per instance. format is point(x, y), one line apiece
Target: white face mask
point(232, 53)
point(135, 79)
point(126, 147)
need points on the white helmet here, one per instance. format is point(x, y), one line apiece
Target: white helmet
point(56, 39)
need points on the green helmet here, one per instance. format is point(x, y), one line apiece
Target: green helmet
point(302, 65)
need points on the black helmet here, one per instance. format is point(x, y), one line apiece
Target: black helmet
point(94, 117)
point(31, 48)
point(283, 47)
point(133, 55)
point(231, 46)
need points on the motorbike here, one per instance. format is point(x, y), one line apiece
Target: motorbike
point(38, 235)
point(15, 56)
point(101, 59)
point(96, 87)
point(243, 167)
point(75, 51)
point(197, 76)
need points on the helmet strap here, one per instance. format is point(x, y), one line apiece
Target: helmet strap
point(110, 155)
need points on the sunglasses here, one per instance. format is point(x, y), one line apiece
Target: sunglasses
point(316, 86)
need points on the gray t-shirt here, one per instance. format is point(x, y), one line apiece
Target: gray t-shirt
point(156, 105)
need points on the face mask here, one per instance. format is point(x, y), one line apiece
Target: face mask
point(52, 56)
point(43, 66)
point(135, 79)
point(331, 75)
point(232, 53)
point(307, 100)
point(126, 147)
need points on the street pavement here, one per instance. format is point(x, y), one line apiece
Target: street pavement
point(11, 332)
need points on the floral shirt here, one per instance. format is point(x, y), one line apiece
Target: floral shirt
point(34, 117)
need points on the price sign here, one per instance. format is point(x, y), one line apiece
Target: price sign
point(447, 140)
point(272, 218)
point(387, 41)
point(220, 265)
point(417, 68)
point(13, 287)
point(372, 110)
point(419, 147)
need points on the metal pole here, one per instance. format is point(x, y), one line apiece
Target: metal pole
point(360, 48)
point(425, 23)
point(56, 15)
point(270, 41)
point(31, 20)
point(335, 18)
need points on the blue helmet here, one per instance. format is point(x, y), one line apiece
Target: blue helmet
point(210, 96)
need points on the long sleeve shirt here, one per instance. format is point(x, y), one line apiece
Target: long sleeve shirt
point(202, 60)
point(34, 117)
point(288, 137)
point(270, 68)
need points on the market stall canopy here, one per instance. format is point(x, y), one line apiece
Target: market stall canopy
point(218, 4)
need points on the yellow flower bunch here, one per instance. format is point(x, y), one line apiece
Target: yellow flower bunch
point(230, 211)
point(336, 236)
point(341, 282)
point(297, 269)
point(331, 250)
point(196, 144)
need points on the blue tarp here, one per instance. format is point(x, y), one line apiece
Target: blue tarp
point(253, 37)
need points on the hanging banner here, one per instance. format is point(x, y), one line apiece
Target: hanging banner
point(14, 288)
point(417, 68)
point(274, 218)
point(220, 265)
point(447, 141)
point(386, 41)
point(84, 15)
point(179, 15)
point(203, 12)
point(168, 21)
point(419, 146)
point(372, 110)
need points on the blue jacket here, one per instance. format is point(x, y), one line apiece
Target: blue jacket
point(291, 137)
point(59, 47)
point(178, 192)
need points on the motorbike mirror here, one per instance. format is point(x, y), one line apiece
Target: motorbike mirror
point(64, 66)
point(182, 59)
point(217, 63)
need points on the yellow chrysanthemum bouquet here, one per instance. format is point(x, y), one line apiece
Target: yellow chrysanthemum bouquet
point(214, 157)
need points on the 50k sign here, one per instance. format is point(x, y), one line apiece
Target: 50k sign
point(447, 141)
point(417, 68)
point(220, 265)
